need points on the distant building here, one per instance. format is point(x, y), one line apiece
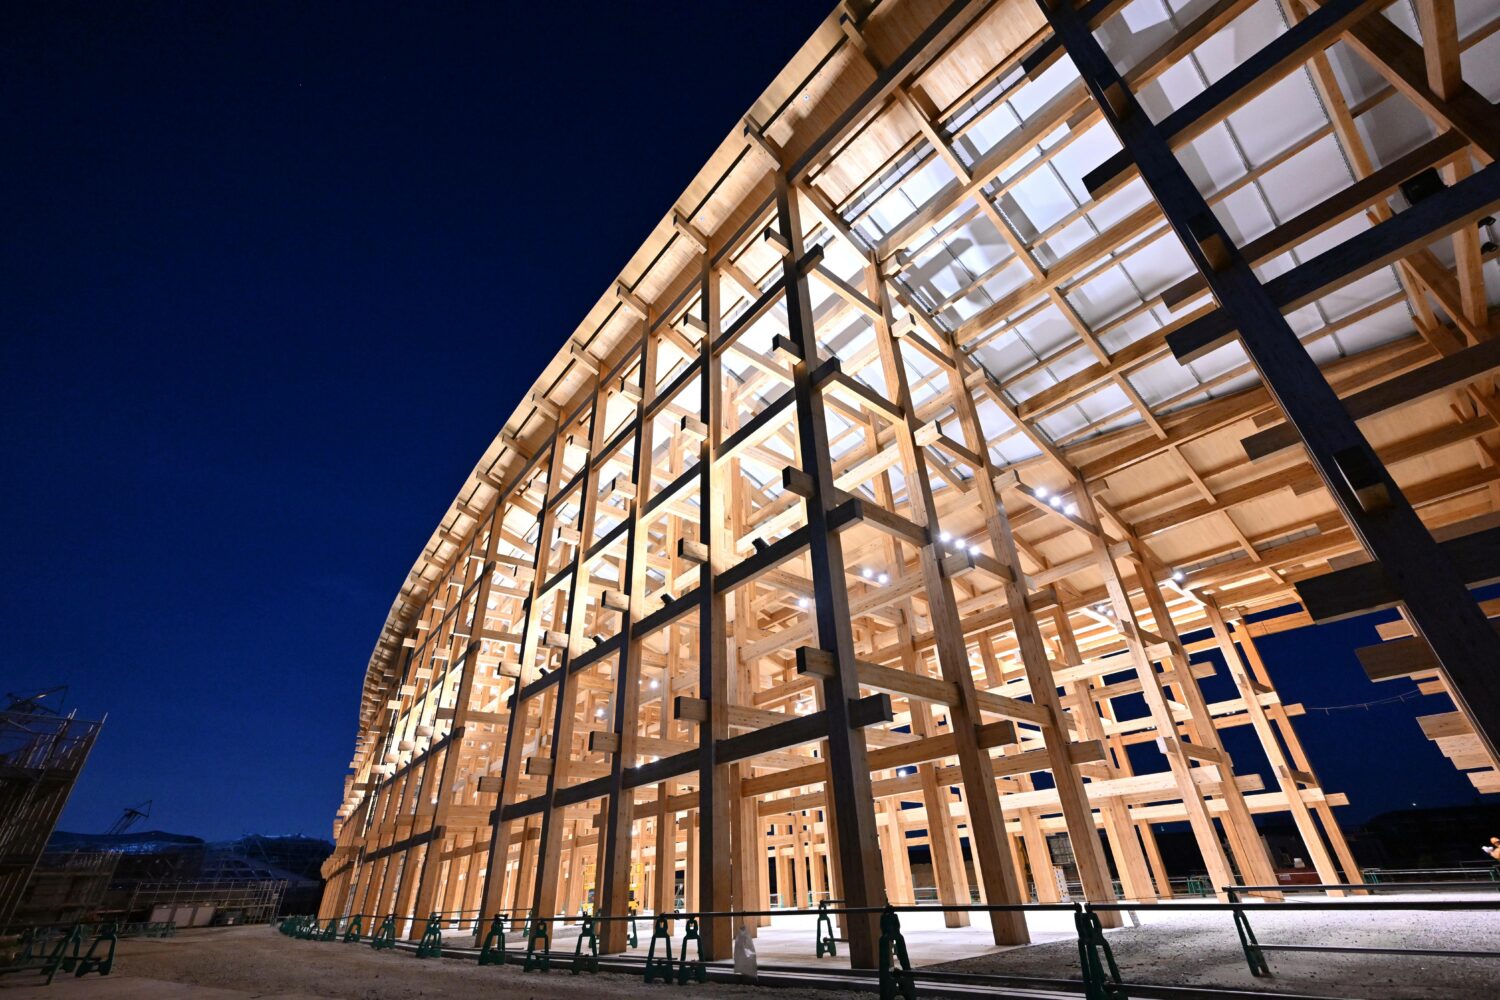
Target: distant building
point(161, 876)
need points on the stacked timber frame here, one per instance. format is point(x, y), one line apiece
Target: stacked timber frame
point(872, 507)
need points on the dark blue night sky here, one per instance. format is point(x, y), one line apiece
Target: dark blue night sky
point(273, 274)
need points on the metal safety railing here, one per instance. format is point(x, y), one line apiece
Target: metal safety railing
point(1255, 950)
point(1380, 876)
point(1100, 974)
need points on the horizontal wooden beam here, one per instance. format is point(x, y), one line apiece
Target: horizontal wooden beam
point(1438, 376)
point(1360, 589)
point(1329, 212)
point(1452, 208)
point(1236, 88)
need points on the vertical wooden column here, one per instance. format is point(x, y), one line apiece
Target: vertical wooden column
point(1173, 747)
point(713, 845)
point(428, 887)
point(1255, 863)
point(614, 882)
point(750, 866)
point(1130, 862)
point(848, 789)
point(515, 731)
point(1088, 852)
point(1285, 779)
point(566, 708)
point(947, 858)
point(986, 824)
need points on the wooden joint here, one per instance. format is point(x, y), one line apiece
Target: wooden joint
point(818, 662)
point(786, 350)
point(776, 241)
point(1211, 243)
point(831, 368)
point(928, 434)
point(1362, 473)
point(539, 766)
point(692, 551)
point(544, 406)
point(621, 488)
point(1041, 600)
point(631, 301)
point(957, 564)
point(686, 709)
point(1117, 99)
point(689, 232)
point(794, 480)
point(584, 358)
point(603, 742)
point(758, 140)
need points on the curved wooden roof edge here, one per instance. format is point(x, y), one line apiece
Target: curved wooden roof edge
point(808, 62)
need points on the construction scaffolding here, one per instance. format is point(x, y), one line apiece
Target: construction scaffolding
point(202, 902)
point(916, 484)
point(41, 755)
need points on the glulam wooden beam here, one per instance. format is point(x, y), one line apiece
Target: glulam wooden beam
point(1430, 589)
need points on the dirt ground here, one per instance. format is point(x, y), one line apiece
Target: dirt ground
point(1167, 948)
point(238, 963)
point(1190, 949)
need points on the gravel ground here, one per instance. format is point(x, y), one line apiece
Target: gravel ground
point(1168, 948)
point(1189, 949)
point(244, 962)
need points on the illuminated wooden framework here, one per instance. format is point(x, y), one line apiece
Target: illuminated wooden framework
point(746, 586)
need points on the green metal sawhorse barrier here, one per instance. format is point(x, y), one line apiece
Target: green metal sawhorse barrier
point(1254, 957)
point(93, 962)
point(659, 967)
point(827, 944)
point(39, 953)
point(385, 937)
point(894, 980)
point(353, 931)
point(431, 945)
point(493, 950)
point(690, 969)
point(1101, 977)
point(587, 932)
point(538, 932)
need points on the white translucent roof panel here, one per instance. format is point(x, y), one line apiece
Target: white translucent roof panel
point(1037, 346)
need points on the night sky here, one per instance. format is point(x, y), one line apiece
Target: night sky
point(273, 276)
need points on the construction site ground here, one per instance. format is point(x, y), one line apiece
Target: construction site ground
point(1164, 948)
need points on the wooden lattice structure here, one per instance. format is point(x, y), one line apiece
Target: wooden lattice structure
point(869, 509)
